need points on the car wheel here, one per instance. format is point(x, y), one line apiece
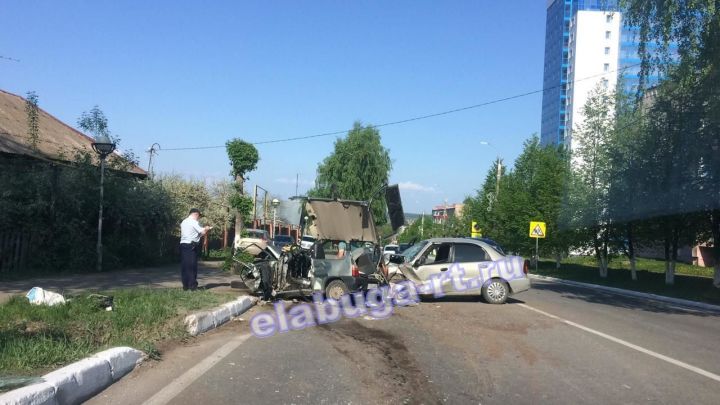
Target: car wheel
point(495, 292)
point(336, 289)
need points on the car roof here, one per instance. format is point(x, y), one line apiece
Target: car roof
point(463, 240)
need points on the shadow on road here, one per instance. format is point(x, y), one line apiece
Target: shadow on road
point(155, 277)
point(619, 301)
point(464, 298)
point(216, 285)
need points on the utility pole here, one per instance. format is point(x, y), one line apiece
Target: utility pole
point(265, 207)
point(255, 206)
point(422, 224)
point(152, 151)
point(297, 179)
point(264, 220)
point(497, 179)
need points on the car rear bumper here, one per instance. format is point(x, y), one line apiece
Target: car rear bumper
point(519, 285)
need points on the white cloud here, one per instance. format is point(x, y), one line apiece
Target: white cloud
point(285, 180)
point(411, 186)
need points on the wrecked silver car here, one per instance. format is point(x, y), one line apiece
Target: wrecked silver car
point(344, 257)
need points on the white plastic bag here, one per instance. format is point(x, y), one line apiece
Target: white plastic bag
point(38, 296)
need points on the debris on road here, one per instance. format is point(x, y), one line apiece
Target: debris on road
point(38, 296)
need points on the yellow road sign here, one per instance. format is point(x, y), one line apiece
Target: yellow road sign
point(537, 229)
point(475, 230)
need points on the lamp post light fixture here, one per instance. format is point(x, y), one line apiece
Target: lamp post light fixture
point(103, 146)
point(499, 167)
point(275, 203)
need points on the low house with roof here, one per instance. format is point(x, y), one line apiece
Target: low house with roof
point(56, 141)
point(29, 205)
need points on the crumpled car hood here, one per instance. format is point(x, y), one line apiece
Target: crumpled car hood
point(341, 220)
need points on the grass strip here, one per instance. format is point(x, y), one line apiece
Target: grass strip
point(691, 282)
point(38, 338)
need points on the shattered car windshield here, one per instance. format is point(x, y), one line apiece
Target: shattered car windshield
point(413, 250)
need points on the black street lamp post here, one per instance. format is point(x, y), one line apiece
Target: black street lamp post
point(103, 146)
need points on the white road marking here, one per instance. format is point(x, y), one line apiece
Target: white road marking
point(165, 395)
point(670, 360)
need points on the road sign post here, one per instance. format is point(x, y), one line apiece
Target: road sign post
point(537, 231)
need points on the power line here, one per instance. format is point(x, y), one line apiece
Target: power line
point(403, 121)
point(10, 59)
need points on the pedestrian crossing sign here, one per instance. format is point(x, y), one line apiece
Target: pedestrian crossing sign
point(537, 229)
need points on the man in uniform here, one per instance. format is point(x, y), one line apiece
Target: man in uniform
point(190, 234)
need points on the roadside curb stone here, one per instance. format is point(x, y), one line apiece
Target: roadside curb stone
point(637, 294)
point(78, 381)
point(200, 322)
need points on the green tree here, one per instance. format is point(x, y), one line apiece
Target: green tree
point(357, 168)
point(33, 118)
point(693, 26)
point(243, 159)
point(220, 212)
point(532, 191)
point(672, 169)
point(481, 206)
point(624, 193)
point(591, 175)
point(94, 122)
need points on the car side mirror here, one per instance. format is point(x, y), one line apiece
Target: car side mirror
point(397, 259)
point(419, 262)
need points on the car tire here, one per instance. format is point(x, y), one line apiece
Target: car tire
point(495, 291)
point(336, 289)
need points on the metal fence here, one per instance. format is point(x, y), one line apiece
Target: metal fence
point(14, 251)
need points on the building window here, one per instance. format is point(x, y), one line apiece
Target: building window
point(605, 83)
point(606, 67)
point(608, 18)
point(607, 34)
point(607, 50)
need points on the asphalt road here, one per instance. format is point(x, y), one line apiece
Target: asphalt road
point(553, 344)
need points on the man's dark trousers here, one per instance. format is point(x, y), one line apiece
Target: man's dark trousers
point(188, 266)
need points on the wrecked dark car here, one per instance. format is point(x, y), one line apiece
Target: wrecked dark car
point(345, 256)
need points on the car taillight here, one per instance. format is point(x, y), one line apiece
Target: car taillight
point(355, 271)
point(526, 266)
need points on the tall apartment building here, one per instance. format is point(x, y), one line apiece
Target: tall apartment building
point(586, 45)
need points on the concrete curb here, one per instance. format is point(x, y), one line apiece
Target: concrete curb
point(630, 293)
point(200, 322)
point(78, 381)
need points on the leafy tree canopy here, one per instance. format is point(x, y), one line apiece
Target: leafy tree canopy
point(94, 122)
point(356, 169)
point(243, 156)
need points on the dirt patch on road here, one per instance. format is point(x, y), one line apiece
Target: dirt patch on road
point(385, 364)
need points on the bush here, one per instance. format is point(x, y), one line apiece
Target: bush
point(57, 205)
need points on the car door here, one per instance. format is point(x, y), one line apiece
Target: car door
point(432, 263)
point(475, 262)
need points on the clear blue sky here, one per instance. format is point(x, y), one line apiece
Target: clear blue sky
point(189, 73)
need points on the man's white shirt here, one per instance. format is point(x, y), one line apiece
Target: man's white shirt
point(190, 230)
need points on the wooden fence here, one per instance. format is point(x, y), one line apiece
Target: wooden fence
point(14, 250)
